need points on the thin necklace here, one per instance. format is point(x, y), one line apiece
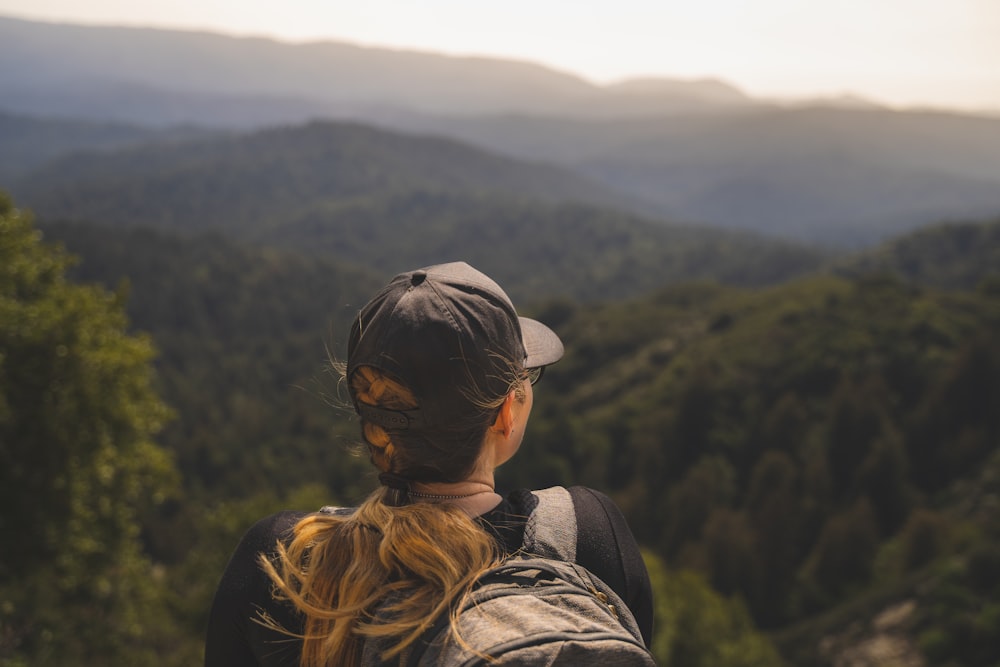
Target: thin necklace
point(439, 496)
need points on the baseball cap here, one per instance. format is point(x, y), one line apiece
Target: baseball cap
point(449, 333)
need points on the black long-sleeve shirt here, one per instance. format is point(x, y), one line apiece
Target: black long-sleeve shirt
point(605, 546)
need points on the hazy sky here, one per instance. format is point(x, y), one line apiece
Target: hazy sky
point(943, 53)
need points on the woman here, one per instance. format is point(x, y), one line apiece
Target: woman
point(440, 370)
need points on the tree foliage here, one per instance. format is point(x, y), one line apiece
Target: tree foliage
point(775, 439)
point(78, 466)
point(955, 255)
point(695, 626)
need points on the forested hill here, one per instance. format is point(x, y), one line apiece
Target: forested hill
point(957, 255)
point(389, 202)
point(28, 142)
point(537, 251)
point(541, 250)
point(826, 449)
point(244, 182)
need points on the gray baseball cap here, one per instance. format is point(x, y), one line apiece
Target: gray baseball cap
point(448, 332)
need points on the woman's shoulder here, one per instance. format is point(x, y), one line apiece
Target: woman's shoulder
point(278, 523)
point(267, 531)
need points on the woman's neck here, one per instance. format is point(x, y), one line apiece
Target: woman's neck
point(475, 496)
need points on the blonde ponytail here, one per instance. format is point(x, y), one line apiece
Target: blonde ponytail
point(410, 562)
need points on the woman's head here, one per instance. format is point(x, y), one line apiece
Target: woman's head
point(431, 360)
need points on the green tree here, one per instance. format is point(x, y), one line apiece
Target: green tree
point(776, 516)
point(78, 466)
point(694, 626)
point(843, 556)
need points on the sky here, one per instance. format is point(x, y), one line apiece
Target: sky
point(903, 53)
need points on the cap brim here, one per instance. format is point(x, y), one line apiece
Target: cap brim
point(541, 344)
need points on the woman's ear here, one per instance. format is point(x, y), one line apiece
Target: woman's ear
point(505, 418)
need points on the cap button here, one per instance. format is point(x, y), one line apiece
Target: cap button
point(417, 277)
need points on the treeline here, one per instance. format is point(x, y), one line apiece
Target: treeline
point(953, 255)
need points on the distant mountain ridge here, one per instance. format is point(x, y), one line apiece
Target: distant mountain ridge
point(832, 175)
point(46, 63)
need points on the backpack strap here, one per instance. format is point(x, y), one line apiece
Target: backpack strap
point(551, 528)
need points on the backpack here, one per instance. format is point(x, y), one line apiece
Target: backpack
point(537, 608)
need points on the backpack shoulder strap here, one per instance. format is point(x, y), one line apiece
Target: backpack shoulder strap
point(551, 529)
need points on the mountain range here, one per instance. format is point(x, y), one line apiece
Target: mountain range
point(83, 68)
point(837, 172)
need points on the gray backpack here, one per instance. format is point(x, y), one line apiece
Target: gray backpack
point(538, 608)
